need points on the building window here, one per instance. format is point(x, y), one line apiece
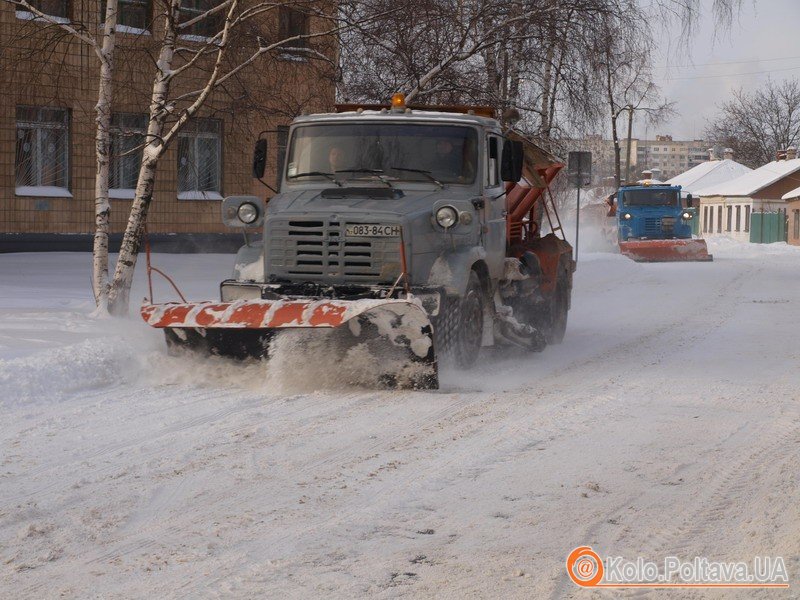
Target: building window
point(133, 16)
point(42, 157)
point(208, 26)
point(747, 217)
point(719, 219)
point(200, 160)
point(127, 138)
point(738, 218)
point(705, 219)
point(796, 233)
point(53, 8)
point(729, 219)
point(291, 23)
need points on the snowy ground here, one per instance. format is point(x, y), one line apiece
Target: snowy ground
point(668, 422)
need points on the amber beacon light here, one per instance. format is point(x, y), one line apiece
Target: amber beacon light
point(398, 100)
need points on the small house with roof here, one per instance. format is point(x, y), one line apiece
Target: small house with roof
point(710, 173)
point(751, 207)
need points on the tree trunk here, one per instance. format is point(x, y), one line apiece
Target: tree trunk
point(544, 127)
point(102, 207)
point(119, 293)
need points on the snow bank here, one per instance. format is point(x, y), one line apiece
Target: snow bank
point(721, 246)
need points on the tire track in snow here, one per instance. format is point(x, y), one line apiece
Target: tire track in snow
point(517, 437)
point(240, 403)
point(514, 438)
point(706, 507)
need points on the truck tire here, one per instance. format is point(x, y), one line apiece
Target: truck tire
point(458, 329)
point(559, 307)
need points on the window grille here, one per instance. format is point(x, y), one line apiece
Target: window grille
point(42, 148)
point(200, 156)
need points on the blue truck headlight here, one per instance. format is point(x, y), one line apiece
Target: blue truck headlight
point(687, 216)
point(627, 216)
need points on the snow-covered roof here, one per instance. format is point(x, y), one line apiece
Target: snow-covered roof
point(795, 193)
point(709, 173)
point(749, 183)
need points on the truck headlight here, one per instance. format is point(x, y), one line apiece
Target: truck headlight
point(687, 215)
point(247, 213)
point(446, 217)
point(627, 216)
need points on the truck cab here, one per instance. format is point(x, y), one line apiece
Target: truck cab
point(353, 181)
point(652, 212)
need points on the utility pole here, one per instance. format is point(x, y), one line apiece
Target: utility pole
point(630, 109)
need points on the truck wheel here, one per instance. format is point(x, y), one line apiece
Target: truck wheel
point(559, 308)
point(458, 330)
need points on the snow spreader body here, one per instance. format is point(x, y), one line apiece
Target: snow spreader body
point(654, 226)
point(413, 230)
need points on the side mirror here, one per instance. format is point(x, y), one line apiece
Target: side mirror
point(260, 158)
point(511, 161)
point(242, 211)
point(689, 201)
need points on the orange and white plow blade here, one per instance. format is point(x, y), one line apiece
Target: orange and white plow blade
point(665, 250)
point(405, 323)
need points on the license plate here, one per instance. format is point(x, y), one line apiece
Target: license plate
point(371, 230)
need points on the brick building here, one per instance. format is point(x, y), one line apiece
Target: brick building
point(50, 86)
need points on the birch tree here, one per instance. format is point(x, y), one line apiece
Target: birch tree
point(220, 60)
point(191, 72)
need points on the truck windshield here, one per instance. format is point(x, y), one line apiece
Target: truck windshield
point(400, 151)
point(651, 197)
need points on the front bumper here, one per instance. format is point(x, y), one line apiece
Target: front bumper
point(232, 290)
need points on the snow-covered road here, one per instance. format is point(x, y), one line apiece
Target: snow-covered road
point(667, 423)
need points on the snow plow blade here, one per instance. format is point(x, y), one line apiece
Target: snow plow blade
point(666, 250)
point(243, 328)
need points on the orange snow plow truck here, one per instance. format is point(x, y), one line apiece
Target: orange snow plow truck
point(412, 230)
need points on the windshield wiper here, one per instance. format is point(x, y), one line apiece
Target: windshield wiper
point(377, 172)
point(426, 173)
point(313, 173)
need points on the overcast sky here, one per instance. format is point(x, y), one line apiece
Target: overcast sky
point(763, 38)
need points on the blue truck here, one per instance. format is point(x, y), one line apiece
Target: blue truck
point(653, 225)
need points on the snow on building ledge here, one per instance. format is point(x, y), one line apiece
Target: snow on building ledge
point(197, 195)
point(121, 194)
point(42, 191)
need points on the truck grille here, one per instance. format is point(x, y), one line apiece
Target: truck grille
point(652, 226)
point(314, 249)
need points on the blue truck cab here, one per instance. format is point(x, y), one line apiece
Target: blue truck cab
point(653, 212)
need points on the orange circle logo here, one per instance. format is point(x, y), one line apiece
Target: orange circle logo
point(584, 567)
